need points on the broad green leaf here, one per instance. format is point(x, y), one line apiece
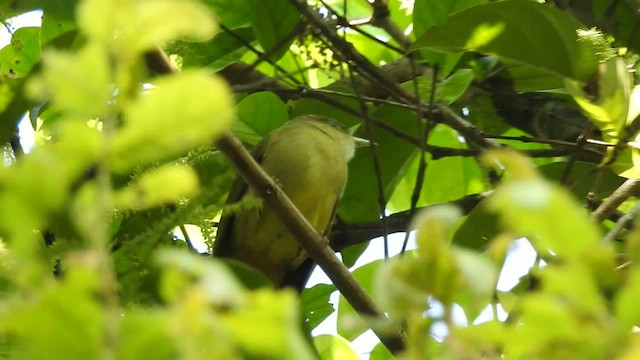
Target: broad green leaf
point(360, 200)
point(315, 304)
point(479, 227)
point(454, 86)
point(351, 254)
point(399, 297)
point(376, 53)
point(13, 103)
point(183, 112)
point(380, 352)
point(427, 13)
point(626, 309)
point(269, 326)
point(527, 78)
point(78, 83)
point(272, 21)
point(334, 347)
point(479, 276)
point(447, 91)
point(258, 115)
point(232, 13)
point(575, 285)
point(583, 178)
point(521, 31)
point(142, 25)
point(58, 20)
point(71, 302)
point(624, 165)
point(531, 206)
point(165, 185)
point(216, 53)
point(144, 336)
point(307, 105)
point(354, 9)
point(445, 179)
point(401, 13)
point(17, 59)
point(634, 104)
point(609, 109)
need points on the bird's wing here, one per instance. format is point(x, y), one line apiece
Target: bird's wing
point(222, 245)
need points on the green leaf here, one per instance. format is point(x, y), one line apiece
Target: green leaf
point(17, 59)
point(272, 21)
point(164, 185)
point(453, 87)
point(258, 115)
point(13, 105)
point(448, 91)
point(531, 207)
point(216, 53)
point(79, 83)
point(354, 9)
point(307, 105)
point(141, 26)
point(232, 13)
point(380, 352)
point(626, 302)
point(351, 254)
point(315, 304)
point(427, 13)
point(584, 178)
point(521, 31)
point(445, 179)
point(334, 347)
point(478, 229)
point(528, 78)
point(609, 109)
point(183, 112)
point(144, 336)
point(360, 200)
point(58, 20)
point(480, 277)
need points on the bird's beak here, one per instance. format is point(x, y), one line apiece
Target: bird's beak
point(360, 142)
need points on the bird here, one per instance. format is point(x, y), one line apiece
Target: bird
point(308, 158)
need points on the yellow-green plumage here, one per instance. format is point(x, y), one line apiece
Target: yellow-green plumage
point(308, 159)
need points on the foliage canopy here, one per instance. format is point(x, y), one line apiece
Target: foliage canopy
point(493, 121)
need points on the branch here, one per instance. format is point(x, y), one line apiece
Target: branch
point(382, 19)
point(316, 246)
point(626, 190)
point(16, 146)
point(344, 235)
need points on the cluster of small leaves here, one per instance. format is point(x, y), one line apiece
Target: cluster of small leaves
point(584, 306)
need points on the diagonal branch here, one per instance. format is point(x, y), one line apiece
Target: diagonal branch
point(626, 190)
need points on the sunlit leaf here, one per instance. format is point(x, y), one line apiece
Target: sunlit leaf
point(523, 31)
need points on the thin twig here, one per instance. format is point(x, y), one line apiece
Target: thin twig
point(622, 224)
point(621, 194)
point(382, 202)
point(16, 146)
point(382, 18)
point(187, 239)
point(344, 235)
